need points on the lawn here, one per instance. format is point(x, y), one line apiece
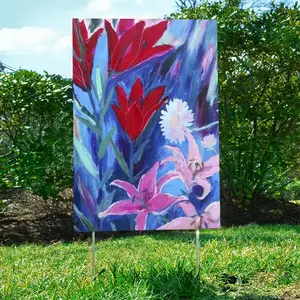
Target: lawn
point(250, 262)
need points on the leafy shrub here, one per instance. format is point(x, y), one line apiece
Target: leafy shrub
point(36, 132)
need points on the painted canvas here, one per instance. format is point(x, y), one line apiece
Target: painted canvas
point(146, 142)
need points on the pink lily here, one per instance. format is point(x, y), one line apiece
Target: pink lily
point(211, 216)
point(143, 200)
point(192, 171)
point(209, 219)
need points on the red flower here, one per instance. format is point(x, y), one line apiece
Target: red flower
point(132, 44)
point(83, 53)
point(135, 112)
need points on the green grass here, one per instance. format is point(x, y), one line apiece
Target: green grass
point(251, 262)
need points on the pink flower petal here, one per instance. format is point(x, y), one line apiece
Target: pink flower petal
point(211, 217)
point(214, 224)
point(176, 151)
point(76, 127)
point(168, 177)
point(140, 221)
point(183, 223)
point(211, 167)
point(205, 185)
point(194, 153)
point(213, 211)
point(126, 186)
point(161, 202)
point(181, 168)
point(147, 184)
point(188, 208)
point(168, 159)
point(207, 59)
point(123, 207)
point(86, 196)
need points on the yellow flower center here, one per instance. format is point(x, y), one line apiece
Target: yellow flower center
point(174, 120)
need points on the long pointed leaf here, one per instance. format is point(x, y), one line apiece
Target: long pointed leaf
point(76, 104)
point(121, 161)
point(86, 196)
point(113, 227)
point(86, 112)
point(87, 224)
point(138, 154)
point(99, 85)
point(104, 143)
point(106, 105)
point(136, 177)
point(82, 109)
point(85, 157)
point(89, 125)
point(76, 229)
point(107, 174)
point(106, 202)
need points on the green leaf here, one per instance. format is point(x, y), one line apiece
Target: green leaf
point(113, 227)
point(107, 174)
point(138, 154)
point(76, 229)
point(89, 124)
point(121, 161)
point(76, 104)
point(86, 112)
point(107, 102)
point(85, 157)
point(99, 84)
point(104, 143)
point(88, 225)
point(137, 176)
point(106, 202)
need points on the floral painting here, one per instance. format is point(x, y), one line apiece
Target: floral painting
point(146, 140)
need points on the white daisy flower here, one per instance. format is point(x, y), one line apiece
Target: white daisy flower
point(209, 141)
point(176, 120)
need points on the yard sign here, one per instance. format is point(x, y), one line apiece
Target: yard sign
point(146, 142)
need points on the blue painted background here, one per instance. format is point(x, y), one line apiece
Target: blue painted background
point(191, 85)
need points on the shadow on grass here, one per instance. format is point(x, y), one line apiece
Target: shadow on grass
point(59, 228)
point(253, 296)
point(241, 234)
point(170, 282)
point(162, 282)
point(257, 297)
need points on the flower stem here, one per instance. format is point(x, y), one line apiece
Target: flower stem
point(93, 105)
point(99, 137)
point(206, 126)
point(131, 167)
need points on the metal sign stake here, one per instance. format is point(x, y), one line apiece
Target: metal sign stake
point(197, 251)
point(93, 255)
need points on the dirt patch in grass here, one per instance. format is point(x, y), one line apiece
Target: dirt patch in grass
point(292, 293)
point(262, 211)
point(29, 218)
point(25, 217)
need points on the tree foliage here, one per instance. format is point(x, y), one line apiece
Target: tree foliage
point(259, 78)
point(36, 132)
point(184, 4)
point(259, 94)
